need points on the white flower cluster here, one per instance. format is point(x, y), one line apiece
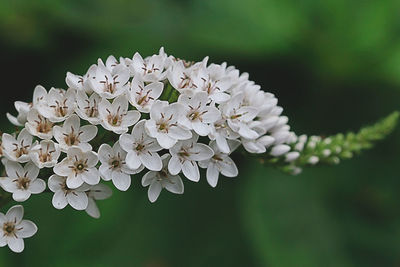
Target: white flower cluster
point(166, 118)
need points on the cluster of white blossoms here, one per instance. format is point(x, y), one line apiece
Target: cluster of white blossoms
point(159, 116)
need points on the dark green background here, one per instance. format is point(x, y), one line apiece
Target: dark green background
point(334, 66)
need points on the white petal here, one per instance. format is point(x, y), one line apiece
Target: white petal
point(222, 144)
point(88, 133)
point(212, 175)
point(32, 170)
point(228, 168)
point(74, 181)
point(15, 213)
point(122, 181)
point(133, 160)
point(154, 191)
point(55, 182)
point(191, 170)
point(179, 133)
point(59, 200)
point(27, 229)
point(92, 158)
point(62, 168)
point(200, 128)
point(165, 141)
point(174, 185)
point(15, 244)
point(151, 161)
point(201, 152)
point(148, 178)
point(21, 195)
point(105, 172)
point(131, 118)
point(77, 200)
point(174, 165)
point(92, 209)
point(100, 192)
point(126, 141)
point(37, 186)
point(105, 153)
point(91, 176)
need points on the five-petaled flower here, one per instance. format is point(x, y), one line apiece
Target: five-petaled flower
point(163, 124)
point(162, 179)
point(113, 166)
point(14, 229)
point(22, 181)
point(72, 134)
point(141, 148)
point(79, 167)
point(17, 149)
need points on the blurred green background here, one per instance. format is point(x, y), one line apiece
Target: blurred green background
point(334, 66)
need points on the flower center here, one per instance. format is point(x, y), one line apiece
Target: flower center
point(140, 147)
point(91, 111)
point(9, 228)
point(115, 163)
point(80, 166)
point(183, 154)
point(45, 156)
point(20, 150)
point(142, 100)
point(217, 157)
point(109, 86)
point(23, 183)
point(114, 119)
point(60, 108)
point(72, 139)
point(43, 125)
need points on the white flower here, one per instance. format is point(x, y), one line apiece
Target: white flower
point(17, 149)
point(111, 63)
point(142, 149)
point(45, 154)
point(15, 229)
point(81, 83)
point(71, 134)
point(23, 108)
point(110, 84)
point(150, 69)
point(239, 116)
point(88, 107)
point(22, 181)
point(180, 77)
point(220, 163)
point(58, 104)
point(163, 124)
point(64, 195)
point(198, 115)
point(38, 125)
point(184, 156)
point(215, 89)
point(113, 166)
point(220, 132)
point(258, 145)
point(78, 167)
point(162, 179)
point(97, 192)
point(142, 97)
point(116, 117)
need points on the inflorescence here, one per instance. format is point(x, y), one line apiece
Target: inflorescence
point(161, 118)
